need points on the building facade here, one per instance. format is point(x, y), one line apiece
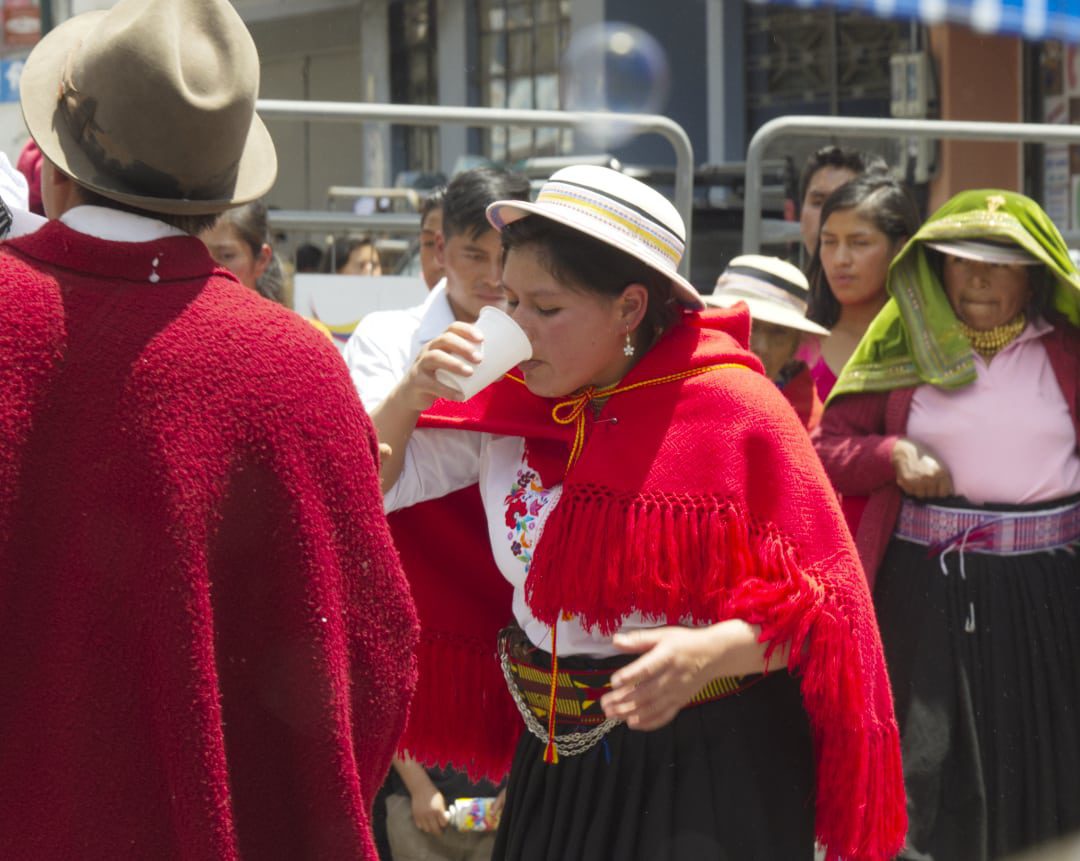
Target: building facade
point(731, 66)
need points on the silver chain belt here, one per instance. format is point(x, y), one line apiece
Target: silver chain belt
point(568, 744)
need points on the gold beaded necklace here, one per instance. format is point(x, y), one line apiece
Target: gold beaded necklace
point(989, 342)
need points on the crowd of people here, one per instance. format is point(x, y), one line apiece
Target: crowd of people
point(738, 575)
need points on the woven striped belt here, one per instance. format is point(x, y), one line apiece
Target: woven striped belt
point(1002, 533)
point(577, 697)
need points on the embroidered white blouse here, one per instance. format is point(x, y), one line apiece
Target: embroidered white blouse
point(438, 462)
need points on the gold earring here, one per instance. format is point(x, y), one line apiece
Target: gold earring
point(628, 349)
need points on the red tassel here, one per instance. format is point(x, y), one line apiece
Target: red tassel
point(462, 715)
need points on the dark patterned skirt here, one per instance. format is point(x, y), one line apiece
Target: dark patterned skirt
point(729, 780)
point(985, 670)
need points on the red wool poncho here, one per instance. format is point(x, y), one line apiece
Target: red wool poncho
point(206, 635)
point(695, 493)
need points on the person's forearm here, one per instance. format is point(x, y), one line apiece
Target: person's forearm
point(857, 465)
point(413, 775)
point(853, 446)
point(394, 421)
point(737, 651)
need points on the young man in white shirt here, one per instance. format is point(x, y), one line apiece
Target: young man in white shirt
point(379, 353)
point(385, 343)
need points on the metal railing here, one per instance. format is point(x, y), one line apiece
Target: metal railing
point(410, 196)
point(850, 127)
point(436, 115)
point(343, 221)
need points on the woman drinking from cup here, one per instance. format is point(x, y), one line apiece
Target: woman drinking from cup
point(671, 538)
point(958, 414)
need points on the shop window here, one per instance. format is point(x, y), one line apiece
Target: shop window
point(819, 61)
point(520, 43)
point(413, 64)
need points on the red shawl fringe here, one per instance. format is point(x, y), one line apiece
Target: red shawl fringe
point(702, 559)
point(462, 714)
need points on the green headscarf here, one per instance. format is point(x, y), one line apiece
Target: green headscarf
point(915, 338)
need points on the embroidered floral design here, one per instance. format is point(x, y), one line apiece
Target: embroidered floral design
point(524, 504)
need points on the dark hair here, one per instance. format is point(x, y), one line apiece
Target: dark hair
point(309, 257)
point(841, 158)
point(887, 204)
point(193, 224)
point(251, 224)
point(341, 250)
point(469, 193)
point(433, 200)
point(583, 262)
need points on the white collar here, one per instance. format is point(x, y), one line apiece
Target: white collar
point(436, 313)
point(115, 225)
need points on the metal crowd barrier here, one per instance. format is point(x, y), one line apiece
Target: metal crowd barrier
point(435, 115)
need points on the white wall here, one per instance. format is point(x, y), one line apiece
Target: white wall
point(12, 130)
point(313, 56)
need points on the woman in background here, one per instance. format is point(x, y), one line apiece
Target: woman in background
point(960, 415)
point(864, 223)
point(240, 242)
point(353, 256)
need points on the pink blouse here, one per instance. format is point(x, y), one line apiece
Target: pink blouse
point(1009, 436)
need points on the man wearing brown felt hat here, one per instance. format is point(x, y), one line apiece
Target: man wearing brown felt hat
point(207, 639)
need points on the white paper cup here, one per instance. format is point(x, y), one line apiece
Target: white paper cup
point(505, 346)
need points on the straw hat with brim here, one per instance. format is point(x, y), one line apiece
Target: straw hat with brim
point(615, 209)
point(985, 252)
point(152, 104)
point(774, 291)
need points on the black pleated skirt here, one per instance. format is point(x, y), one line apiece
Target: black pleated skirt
point(730, 780)
point(985, 670)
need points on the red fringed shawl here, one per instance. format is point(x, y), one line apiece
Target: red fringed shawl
point(702, 498)
point(462, 712)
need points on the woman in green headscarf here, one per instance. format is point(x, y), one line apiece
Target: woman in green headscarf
point(958, 415)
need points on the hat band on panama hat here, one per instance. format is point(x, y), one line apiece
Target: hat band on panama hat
point(611, 213)
point(752, 287)
point(985, 251)
point(614, 209)
point(777, 281)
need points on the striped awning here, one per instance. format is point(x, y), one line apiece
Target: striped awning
point(1032, 19)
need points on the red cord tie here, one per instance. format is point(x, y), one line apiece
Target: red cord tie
point(551, 752)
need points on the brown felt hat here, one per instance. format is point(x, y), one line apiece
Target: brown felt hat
point(152, 104)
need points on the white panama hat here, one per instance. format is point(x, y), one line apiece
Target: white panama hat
point(985, 251)
point(774, 290)
point(613, 208)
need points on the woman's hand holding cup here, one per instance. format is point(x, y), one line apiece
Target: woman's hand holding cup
point(456, 351)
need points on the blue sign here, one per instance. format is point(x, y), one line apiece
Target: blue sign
point(1032, 19)
point(10, 72)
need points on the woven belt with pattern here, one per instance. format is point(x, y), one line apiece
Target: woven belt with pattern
point(577, 697)
point(944, 529)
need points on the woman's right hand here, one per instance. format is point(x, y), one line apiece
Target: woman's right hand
point(919, 472)
point(456, 350)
